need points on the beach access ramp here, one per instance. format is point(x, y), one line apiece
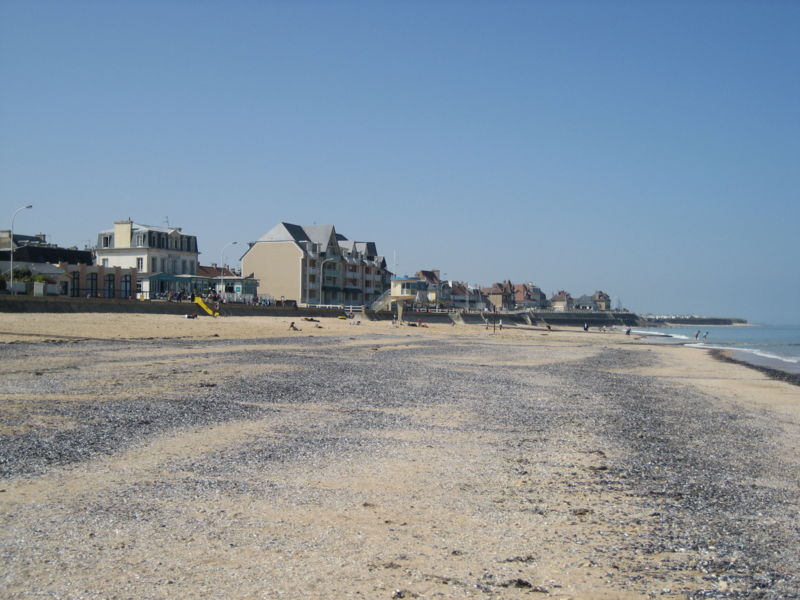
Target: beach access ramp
point(199, 301)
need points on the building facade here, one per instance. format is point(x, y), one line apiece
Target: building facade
point(314, 265)
point(97, 281)
point(147, 249)
point(602, 300)
point(528, 295)
point(500, 296)
point(466, 297)
point(562, 301)
point(439, 292)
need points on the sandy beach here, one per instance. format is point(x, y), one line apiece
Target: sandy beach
point(152, 456)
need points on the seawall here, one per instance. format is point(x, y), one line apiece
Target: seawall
point(60, 304)
point(696, 321)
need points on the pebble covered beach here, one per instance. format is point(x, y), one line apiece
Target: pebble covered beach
point(148, 456)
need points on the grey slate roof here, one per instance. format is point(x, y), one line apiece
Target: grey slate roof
point(140, 227)
point(319, 234)
point(285, 232)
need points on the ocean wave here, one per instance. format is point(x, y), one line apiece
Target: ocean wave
point(676, 336)
point(754, 351)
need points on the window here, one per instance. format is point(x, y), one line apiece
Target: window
point(183, 266)
point(164, 265)
point(106, 241)
point(108, 287)
point(153, 265)
point(125, 287)
point(91, 285)
point(140, 264)
point(76, 284)
point(105, 262)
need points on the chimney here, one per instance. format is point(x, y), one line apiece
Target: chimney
point(123, 232)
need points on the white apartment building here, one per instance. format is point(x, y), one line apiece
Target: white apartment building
point(147, 249)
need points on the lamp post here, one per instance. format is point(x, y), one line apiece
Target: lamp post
point(322, 275)
point(222, 263)
point(11, 246)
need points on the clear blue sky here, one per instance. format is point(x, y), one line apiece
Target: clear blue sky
point(648, 149)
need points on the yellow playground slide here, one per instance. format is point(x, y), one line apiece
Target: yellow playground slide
point(199, 301)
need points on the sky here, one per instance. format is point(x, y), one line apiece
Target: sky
point(648, 149)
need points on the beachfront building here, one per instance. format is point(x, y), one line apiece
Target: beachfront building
point(584, 303)
point(602, 300)
point(43, 268)
point(147, 249)
point(500, 295)
point(32, 278)
point(314, 265)
point(98, 281)
point(598, 301)
point(562, 301)
point(36, 249)
point(229, 284)
point(439, 292)
point(466, 297)
point(528, 295)
point(224, 282)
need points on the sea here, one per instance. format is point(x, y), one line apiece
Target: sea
point(773, 346)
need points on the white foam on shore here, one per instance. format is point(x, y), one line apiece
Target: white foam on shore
point(761, 353)
point(757, 357)
point(676, 336)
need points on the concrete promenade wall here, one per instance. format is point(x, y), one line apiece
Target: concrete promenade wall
point(593, 319)
point(61, 304)
point(537, 318)
point(410, 316)
point(697, 321)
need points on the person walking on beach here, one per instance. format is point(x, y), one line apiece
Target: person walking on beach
point(705, 336)
point(697, 335)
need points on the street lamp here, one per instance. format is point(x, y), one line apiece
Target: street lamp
point(322, 275)
point(221, 264)
point(11, 248)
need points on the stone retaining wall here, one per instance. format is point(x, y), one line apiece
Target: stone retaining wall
point(60, 304)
